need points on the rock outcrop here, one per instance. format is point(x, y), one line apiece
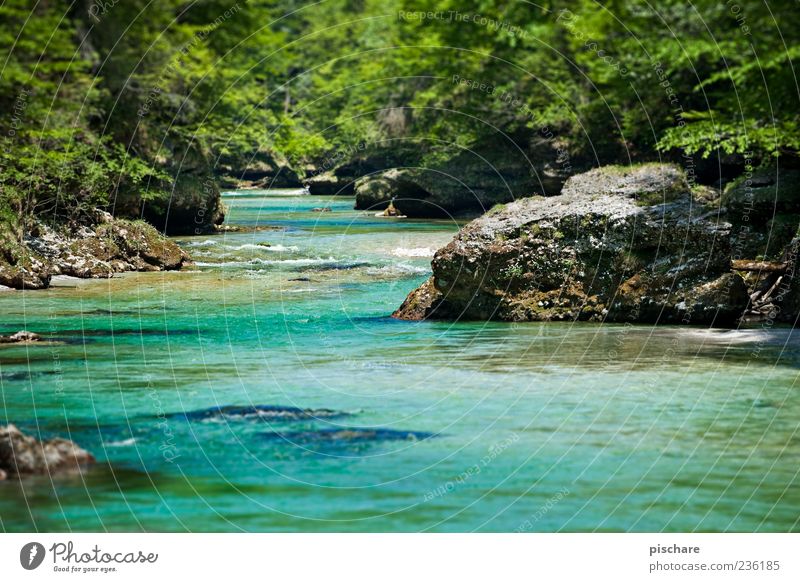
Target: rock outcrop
point(186, 200)
point(471, 181)
point(194, 206)
point(620, 244)
point(261, 170)
point(336, 173)
point(457, 190)
point(329, 184)
point(764, 209)
point(111, 246)
point(22, 455)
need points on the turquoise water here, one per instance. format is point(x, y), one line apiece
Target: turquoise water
point(449, 426)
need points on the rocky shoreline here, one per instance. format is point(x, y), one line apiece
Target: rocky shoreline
point(91, 251)
point(622, 244)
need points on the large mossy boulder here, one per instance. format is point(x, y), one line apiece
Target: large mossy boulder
point(193, 206)
point(764, 193)
point(90, 251)
point(620, 244)
point(764, 208)
point(188, 203)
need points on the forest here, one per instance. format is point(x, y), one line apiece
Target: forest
point(125, 105)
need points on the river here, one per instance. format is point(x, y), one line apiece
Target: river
point(419, 426)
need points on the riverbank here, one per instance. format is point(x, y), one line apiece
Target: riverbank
point(90, 251)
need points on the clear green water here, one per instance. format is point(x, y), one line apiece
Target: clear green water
point(552, 427)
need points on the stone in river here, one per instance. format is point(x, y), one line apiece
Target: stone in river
point(22, 336)
point(622, 244)
point(24, 455)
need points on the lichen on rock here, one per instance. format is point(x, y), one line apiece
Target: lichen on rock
point(620, 244)
point(97, 251)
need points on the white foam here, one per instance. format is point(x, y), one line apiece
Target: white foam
point(259, 261)
point(398, 270)
point(126, 443)
point(414, 252)
point(258, 247)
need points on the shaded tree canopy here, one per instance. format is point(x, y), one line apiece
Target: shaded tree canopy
point(106, 103)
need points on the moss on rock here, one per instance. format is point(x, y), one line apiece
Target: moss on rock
point(111, 246)
point(598, 252)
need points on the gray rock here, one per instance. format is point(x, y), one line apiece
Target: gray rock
point(111, 246)
point(260, 170)
point(470, 182)
point(764, 193)
point(646, 184)
point(602, 251)
point(443, 192)
point(329, 184)
point(24, 455)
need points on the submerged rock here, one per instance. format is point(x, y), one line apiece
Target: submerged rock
point(332, 437)
point(620, 244)
point(333, 266)
point(260, 412)
point(24, 455)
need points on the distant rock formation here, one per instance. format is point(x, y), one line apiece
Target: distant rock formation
point(468, 182)
point(260, 170)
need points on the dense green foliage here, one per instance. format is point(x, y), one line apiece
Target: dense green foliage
point(106, 103)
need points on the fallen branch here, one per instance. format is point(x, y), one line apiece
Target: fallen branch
point(760, 266)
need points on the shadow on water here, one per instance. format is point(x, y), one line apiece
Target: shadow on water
point(342, 441)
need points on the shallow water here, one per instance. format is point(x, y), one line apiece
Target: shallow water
point(403, 426)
